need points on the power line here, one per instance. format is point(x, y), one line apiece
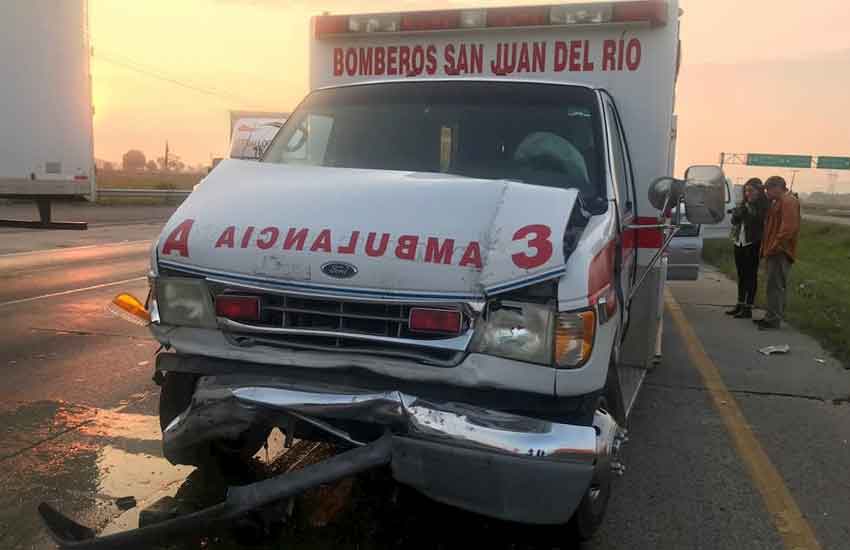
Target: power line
point(158, 75)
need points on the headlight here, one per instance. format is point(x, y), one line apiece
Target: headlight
point(516, 330)
point(184, 302)
point(574, 334)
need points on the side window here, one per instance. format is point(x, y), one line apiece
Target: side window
point(622, 175)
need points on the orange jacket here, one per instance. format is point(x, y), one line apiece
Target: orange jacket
point(782, 228)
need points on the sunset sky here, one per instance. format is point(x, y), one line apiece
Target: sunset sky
point(757, 75)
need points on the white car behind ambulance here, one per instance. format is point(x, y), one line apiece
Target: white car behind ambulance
point(447, 261)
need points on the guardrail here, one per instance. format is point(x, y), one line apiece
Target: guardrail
point(156, 193)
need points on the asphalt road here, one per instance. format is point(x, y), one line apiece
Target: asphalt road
point(78, 419)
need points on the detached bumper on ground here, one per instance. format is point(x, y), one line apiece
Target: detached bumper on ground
point(240, 500)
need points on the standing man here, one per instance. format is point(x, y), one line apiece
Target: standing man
point(779, 248)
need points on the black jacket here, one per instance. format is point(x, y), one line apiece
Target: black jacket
point(750, 216)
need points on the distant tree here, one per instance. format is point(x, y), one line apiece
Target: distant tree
point(174, 163)
point(133, 161)
point(108, 166)
point(151, 166)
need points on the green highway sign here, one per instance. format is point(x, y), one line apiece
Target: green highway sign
point(785, 161)
point(834, 163)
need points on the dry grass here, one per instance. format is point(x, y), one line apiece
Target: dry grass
point(146, 180)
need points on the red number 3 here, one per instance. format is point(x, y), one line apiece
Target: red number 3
point(540, 242)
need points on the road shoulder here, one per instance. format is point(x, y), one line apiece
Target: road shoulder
point(794, 404)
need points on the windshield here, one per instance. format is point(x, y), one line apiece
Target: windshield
point(535, 133)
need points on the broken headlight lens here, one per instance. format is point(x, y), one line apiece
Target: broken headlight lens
point(516, 330)
point(184, 302)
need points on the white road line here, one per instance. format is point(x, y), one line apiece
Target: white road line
point(72, 249)
point(74, 291)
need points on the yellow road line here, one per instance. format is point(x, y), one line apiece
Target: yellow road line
point(795, 531)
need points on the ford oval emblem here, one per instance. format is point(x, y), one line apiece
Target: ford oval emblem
point(339, 270)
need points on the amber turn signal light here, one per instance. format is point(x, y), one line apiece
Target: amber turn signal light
point(129, 308)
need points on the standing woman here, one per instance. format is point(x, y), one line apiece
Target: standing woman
point(748, 222)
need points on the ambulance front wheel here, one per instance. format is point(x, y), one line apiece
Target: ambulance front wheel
point(588, 517)
point(590, 513)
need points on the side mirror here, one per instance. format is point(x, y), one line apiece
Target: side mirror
point(666, 193)
point(705, 195)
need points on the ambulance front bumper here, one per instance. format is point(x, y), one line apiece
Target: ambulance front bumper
point(502, 465)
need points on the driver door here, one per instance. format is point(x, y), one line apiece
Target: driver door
point(622, 177)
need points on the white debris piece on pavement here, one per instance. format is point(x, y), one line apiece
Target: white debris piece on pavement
point(770, 350)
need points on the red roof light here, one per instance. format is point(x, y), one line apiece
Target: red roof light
point(518, 17)
point(654, 11)
point(330, 24)
point(430, 21)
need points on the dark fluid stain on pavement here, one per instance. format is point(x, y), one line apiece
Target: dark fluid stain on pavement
point(77, 458)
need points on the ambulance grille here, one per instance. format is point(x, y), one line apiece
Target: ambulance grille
point(345, 326)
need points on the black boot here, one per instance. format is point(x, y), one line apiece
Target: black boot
point(736, 310)
point(745, 313)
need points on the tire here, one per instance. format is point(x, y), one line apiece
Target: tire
point(591, 510)
point(232, 454)
point(588, 517)
point(175, 395)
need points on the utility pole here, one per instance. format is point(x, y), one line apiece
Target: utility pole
point(165, 162)
point(832, 177)
point(793, 177)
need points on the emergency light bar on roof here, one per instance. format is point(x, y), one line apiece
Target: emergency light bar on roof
point(652, 12)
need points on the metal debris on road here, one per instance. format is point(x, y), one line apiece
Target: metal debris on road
point(821, 361)
point(125, 503)
point(163, 509)
point(770, 350)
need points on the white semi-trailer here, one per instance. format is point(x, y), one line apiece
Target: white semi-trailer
point(45, 104)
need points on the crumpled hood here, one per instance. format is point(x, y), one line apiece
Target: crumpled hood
point(373, 233)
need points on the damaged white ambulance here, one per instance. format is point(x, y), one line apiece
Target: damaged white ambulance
point(449, 262)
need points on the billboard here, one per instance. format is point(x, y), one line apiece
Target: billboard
point(252, 131)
